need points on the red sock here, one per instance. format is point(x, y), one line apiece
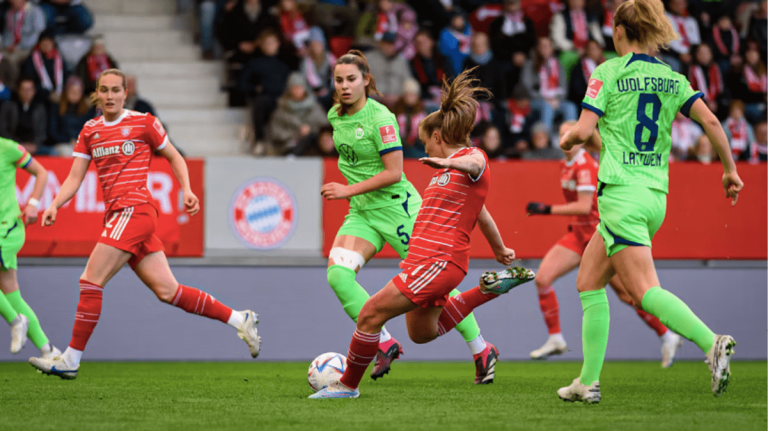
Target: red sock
point(88, 313)
point(653, 322)
point(550, 309)
point(362, 350)
point(460, 306)
point(196, 301)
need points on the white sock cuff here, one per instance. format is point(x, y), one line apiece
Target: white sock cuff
point(477, 345)
point(385, 335)
point(236, 319)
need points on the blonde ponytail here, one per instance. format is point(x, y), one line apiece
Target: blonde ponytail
point(644, 22)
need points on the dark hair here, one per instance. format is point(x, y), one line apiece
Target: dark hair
point(358, 59)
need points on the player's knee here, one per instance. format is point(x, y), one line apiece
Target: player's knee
point(543, 281)
point(338, 276)
point(164, 292)
point(420, 336)
point(369, 320)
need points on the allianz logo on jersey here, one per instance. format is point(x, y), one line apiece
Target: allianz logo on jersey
point(127, 148)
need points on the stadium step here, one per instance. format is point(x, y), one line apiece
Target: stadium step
point(207, 139)
point(135, 7)
point(172, 69)
point(133, 23)
point(186, 116)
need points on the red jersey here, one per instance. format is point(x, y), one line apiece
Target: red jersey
point(121, 151)
point(580, 175)
point(448, 214)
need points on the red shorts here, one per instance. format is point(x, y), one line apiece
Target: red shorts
point(430, 284)
point(577, 238)
point(132, 229)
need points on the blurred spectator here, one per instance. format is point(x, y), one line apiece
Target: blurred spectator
point(759, 151)
point(490, 72)
point(725, 40)
point(482, 18)
point(8, 75)
point(409, 111)
point(685, 133)
point(406, 31)
point(263, 82)
point(210, 12)
point(678, 55)
point(540, 143)
point(436, 14)
point(739, 132)
point(380, 19)
point(428, 67)
point(24, 119)
point(703, 150)
point(758, 26)
point(46, 66)
point(519, 118)
point(513, 36)
point(454, 43)
point(593, 57)
point(133, 101)
point(317, 68)
point(68, 118)
point(24, 21)
point(242, 23)
point(296, 123)
point(93, 63)
point(705, 76)
point(389, 68)
point(326, 147)
point(572, 28)
point(748, 83)
point(293, 25)
point(335, 17)
point(607, 26)
point(490, 142)
point(544, 79)
point(67, 16)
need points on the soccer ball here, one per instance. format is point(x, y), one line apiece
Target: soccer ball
point(325, 369)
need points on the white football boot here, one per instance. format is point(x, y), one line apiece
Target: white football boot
point(248, 332)
point(670, 343)
point(52, 354)
point(580, 392)
point(719, 359)
point(55, 367)
point(335, 390)
point(555, 345)
point(19, 328)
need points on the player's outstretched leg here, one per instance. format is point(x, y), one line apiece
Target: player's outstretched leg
point(484, 354)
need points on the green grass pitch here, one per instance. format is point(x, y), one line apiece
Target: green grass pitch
point(415, 396)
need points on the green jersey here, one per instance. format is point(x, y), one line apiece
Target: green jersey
point(637, 98)
point(361, 139)
point(12, 156)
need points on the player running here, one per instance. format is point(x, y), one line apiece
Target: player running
point(439, 256)
point(121, 143)
point(383, 204)
point(635, 98)
point(13, 308)
point(579, 182)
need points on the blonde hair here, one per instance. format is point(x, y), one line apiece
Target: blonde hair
point(358, 59)
point(456, 117)
point(94, 98)
point(645, 23)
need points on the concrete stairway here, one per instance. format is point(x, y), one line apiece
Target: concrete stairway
point(150, 40)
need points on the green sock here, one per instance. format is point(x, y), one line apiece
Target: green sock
point(347, 289)
point(7, 310)
point(35, 331)
point(594, 333)
point(678, 317)
point(468, 327)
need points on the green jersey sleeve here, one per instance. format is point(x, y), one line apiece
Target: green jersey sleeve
point(14, 154)
point(386, 134)
point(687, 96)
point(599, 89)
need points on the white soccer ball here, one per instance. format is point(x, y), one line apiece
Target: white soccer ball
point(325, 369)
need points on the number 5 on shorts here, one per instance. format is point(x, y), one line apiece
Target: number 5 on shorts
point(401, 234)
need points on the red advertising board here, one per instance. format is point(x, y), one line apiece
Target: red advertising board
point(80, 222)
point(700, 223)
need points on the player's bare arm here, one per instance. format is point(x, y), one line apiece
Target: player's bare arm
point(67, 190)
point(581, 132)
point(180, 171)
point(392, 173)
point(41, 178)
point(472, 164)
point(504, 255)
point(731, 182)
point(581, 207)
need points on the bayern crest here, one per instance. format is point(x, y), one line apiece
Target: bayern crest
point(263, 213)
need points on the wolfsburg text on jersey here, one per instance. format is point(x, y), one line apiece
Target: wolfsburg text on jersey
point(649, 83)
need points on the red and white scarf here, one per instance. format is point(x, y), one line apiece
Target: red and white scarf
point(295, 28)
point(721, 45)
point(679, 22)
point(310, 69)
point(513, 24)
point(412, 131)
point(96, 65)
point(756, 84)
point(757, 149)
point(463, 41)
point(712, 85)
point(588, 66)
point(15, 20)
point(385, 23)
point(549, 76)
point(42, 72)
point(608, 23)
point(517, 114)
point(579, 26)
point(738, 129)
point(483, 112)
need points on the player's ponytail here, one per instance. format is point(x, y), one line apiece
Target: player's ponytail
point(644, 22)
point(358, 59)
point(458, 109)
point(94, 98)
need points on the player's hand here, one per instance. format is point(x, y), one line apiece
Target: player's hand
point(333, 191)
point(564, 144)
point(49, 216)
point(191, 202)
point(435, 162)
point(732, 185)
point(505, 256)
point(538, 208)
point(30, 215)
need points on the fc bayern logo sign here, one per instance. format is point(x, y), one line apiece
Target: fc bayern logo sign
point(263, 213)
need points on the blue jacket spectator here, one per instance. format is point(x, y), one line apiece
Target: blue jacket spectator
point(67, 16)
point(68, 117)
point(454, 43)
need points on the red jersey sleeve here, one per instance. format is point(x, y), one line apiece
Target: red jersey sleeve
point(586, 177)
point(473, 151)
point(82, 146)
point(155, 133)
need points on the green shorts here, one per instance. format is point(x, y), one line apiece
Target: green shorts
point(629, 215)
point(11, 241)
point(392, 224)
